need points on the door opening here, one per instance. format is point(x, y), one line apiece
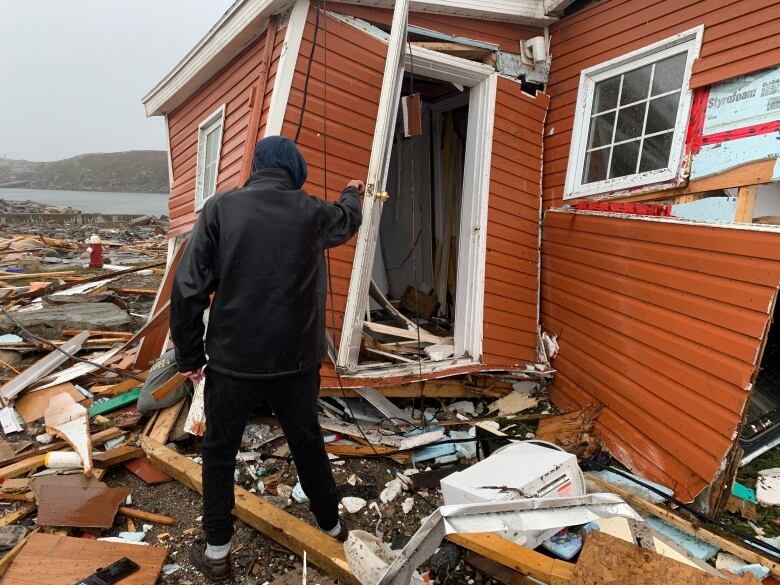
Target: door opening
point(415, 269)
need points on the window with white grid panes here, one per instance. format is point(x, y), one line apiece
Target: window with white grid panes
point(631, 120)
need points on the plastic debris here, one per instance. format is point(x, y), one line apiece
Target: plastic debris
point(170, 569)
point(298, 494)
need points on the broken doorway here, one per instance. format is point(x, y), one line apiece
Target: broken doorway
point(415, 268)
point(761, 428)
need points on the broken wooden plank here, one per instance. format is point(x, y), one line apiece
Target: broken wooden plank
point(455, 49)
point(20, 513)
point(667, 515)
point(146, 516)
point(23, 466)
point(572, 431)
point(95, 333)
point(418, 332)
point(32, 405)
point(166, 420)
point(117, 455)
point(50, 559)
point(167, 387)
point(497, 571)
point(79, 506)
point(323, 551)
point(41, 368)
point(513, 403)
point(136, 291)
point(746, 203)
point(514, 556)
point(68, 420)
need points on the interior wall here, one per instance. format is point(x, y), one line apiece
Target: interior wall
point(405, 214)
point(767, 200)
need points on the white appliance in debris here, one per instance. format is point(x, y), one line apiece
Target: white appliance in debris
point(527, 469)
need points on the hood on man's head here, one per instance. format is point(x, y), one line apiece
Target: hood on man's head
point(278, 152)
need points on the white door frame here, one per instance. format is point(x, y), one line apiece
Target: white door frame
point(482, 81)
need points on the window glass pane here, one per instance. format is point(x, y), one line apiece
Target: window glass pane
point(669, 74)
point(208, 180)
point(655, 152)
point(606, 95)
point(601, 130)
point(211, 163)
point(662, 113)
point(624, 157)
point(630, 122)
point(636, 85)
point(596, 163)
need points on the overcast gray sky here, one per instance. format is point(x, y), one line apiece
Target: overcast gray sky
point(74, 71)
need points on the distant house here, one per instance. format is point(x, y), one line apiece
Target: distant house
point(473, 120)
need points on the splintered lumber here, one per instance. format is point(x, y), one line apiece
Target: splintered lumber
point(514, 556)
point(117, 455)
point(572, 431)
point(169, 386)
point(418, 332)
point(146, 516)
point(428, 389)
point(24, 510)
point(725, 544)
point(136, 291)
point(94, 333)
point(51, 559)
point(606, 559)
point(68, 420)
point(121, 387)
point(325, 552)
point(21, 464)
point(166, 420)
point(26, 465)
point(41, 368)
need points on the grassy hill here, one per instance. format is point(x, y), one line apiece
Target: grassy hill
point(139, 171)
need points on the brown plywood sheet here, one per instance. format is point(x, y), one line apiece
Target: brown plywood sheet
point(48, 559)
point(32, 405)
point(606, 560)
point(661, 321)
point(144, 469)
point(76, 501)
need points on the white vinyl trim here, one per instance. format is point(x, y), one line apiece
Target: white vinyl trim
point(482, 81)
point(285, 69)
point(168, 152)
point(213, 123)
point(688, 41)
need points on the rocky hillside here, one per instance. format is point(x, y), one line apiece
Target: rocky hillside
point(138, 171)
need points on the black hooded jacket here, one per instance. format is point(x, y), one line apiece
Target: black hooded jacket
point(260, 251)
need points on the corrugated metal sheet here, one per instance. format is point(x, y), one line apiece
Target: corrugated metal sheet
point(355, 68)
point(506, 35)
point(740, 36)
point(661, 321)
point(512, 260)
point(232, 86)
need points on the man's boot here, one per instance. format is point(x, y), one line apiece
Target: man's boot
point(215, 570)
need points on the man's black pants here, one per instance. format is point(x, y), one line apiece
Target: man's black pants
point(229, 402)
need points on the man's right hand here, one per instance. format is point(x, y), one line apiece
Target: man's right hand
point(195, 376)
point(358, 184)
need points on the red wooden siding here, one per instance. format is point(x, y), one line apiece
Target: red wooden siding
point(740, 36)
point(356, 63)
point(662, 322)
point(232, 86)
point(512, 261)
point(506, 35)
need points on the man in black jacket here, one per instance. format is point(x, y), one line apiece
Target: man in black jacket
point(259, 251)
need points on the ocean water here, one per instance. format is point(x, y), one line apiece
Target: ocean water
point(95, 201)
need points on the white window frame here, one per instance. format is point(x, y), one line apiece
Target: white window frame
point(688, 41)
point(206, 127)
point(482, 81)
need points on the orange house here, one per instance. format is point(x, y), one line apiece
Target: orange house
point(505, 146)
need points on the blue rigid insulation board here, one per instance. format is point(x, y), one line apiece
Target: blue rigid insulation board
point(697, 547)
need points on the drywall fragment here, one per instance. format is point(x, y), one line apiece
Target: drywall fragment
point(768, 486)
point(462, 407)
point(367, 556)
point(68, 419)
point(512, 404)
point(9, 419)
point(353, 505)
point(440, 351)
point(407, 505)
point(392, 489)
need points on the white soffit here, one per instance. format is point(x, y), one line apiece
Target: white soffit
point(246, 20)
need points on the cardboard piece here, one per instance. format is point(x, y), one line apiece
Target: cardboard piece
point(48, 559)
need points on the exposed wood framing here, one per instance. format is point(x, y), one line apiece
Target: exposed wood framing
point(514, 556)
point(323, 551)
point(746, 204)
point(20, 513)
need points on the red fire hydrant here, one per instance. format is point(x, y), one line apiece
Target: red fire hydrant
point(95, 251)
